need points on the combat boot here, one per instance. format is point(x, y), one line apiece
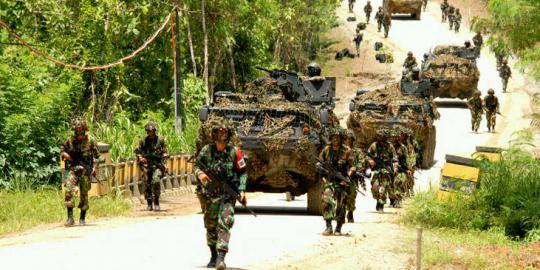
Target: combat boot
point(381, 208)
point(328, 230)
point(69, 222)
point(220, 262)
point(338, 228)
point(156, 204)
point(213, 258)
point(149, 205)
point(82, 219)
point(350, 217)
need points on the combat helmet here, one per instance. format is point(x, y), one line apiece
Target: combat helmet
point(426, 55)
point(313, 69)
point(505, 61)
point(150, 126)
point(219, 126)
point(491, 91)
point(79, 122)
point(350, 134)
point(409, 54)
point(477, 93)
point(336, 132)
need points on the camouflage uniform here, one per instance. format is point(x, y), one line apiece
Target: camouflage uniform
point(335, 194)
point(387, 23)
point(505, 73)
point(154, 150)
point(457, 20)
point(379, 18)
point(351, 5)
point(412, 160)
point(359, 164)
point(384, 155)
point(475, 104)
point(492, 108)
point(424, 3)
point(398, 187)
point(410, 66)
point(71, 186)
point(367, 11)
point(358, 37)
point(451, 16)
point(444, 10)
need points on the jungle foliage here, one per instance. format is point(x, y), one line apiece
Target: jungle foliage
point(37, 98)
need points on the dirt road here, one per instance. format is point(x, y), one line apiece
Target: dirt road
point(283, 236)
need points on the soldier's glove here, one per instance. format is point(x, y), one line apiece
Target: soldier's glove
point(243, 198)
point(143, 160)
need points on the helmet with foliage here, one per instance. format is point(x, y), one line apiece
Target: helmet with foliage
point(313, 69)
point(150, 126)
point(79, 122)
point(491, 91)
point(350, 134)
point(336, 132)
point(217, 126)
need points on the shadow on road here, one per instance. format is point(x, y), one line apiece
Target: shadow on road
point(275, 210)
point(404, 17)
point(451, 104)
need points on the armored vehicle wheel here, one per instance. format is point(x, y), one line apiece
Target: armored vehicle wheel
point(417, 15)
point(428, 154)
point(314, 198)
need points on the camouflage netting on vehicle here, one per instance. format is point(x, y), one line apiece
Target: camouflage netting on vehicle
point(403, 6)
point(458, 77)
point(388, 100)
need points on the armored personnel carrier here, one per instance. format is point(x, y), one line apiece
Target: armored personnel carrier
point(413, 7)
point(407, 104)
point(281, 122)
point(452, 71)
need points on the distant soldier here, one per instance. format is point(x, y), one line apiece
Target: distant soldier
point(351, 5)
point(444, 10)
point(358, 37)
point(382, 159)
point(314, 70)
point(505, 73)
point(478, 40)
point(424, 2)
point(410, 66)
point(340, 157)
point(367, 11)
point(227, 161)
point(451, 16)
point(357, 181)
point(387, 23)
point(476, 105)
point(379, 18)
point(80, 150)
point(492, 109)
point(425, 62)
point(151, 153)
point(457, 20)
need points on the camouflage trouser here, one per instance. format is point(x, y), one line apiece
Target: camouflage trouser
point(351, 6)
point(457, 24)
point(386, 30)
point(380, 185)
point(152, 182)
point(424, 2)
point(504, 83)
point(398, 188)
point(409, 184)
point(203, 198)
point(491, 118)
point(476, 118)
point(333, 202)
point(71, 192)
point(368, 14)
point(218, 221)
point(451, 22)
point(351, 197)
point(379, 25)
point(444, 16)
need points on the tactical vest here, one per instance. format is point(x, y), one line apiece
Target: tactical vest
point(81, 153)
point(491, 103)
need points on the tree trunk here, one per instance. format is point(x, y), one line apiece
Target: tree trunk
point(233, 70)
point(190, 41)
point(205, 33)
point(217, 60)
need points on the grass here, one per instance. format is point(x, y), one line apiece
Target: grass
point(23, 210)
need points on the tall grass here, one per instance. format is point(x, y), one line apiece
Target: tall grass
point(28, 208)
point(508, 198)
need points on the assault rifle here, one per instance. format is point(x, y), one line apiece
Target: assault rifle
point(217, 182)
point(327, 169)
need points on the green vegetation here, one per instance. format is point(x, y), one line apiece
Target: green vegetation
point(26, 208)
point(508, 199)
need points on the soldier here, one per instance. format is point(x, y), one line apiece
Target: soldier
point(228, 162)
point(387, 23)
point(478, 41)
point(71, 186)
point(424, 2)
point(359, 164)
point(314, 70)
point(358, 37)
point(451, 16)
point(151, 153)
point(340, 157)
point(412, 160)
point(410, 66)
point(80, 150)
point(382, 159)
point(444, 10)
point(367, 10)
point(424, 61)
point(403, 172)
point(351, 5)
point(505, 73)
point(457, 20)
point(492, 109)
point(476, 105)
point(379, 18)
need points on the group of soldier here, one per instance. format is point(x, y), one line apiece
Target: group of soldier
point(390, 161)
point(384, 20)
point(489, 105)
point(452, 14)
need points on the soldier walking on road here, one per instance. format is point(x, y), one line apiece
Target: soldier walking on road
point(444, 10)
point(424, 3)
point(478, 40)
point(382, 159)
point(457, 21)
point(351, 5)
point(81, 154)
point(412, 160)
point(476, 105)
point(151, 153)
point(227, 161)
point(379, 18)
point(492, 109)
point(387, 23)
point(505, 73)
point(358, 37)
point(367, 11)
point(451, 16)
point(340, 157)
point(357, 181)
point(399, 188)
